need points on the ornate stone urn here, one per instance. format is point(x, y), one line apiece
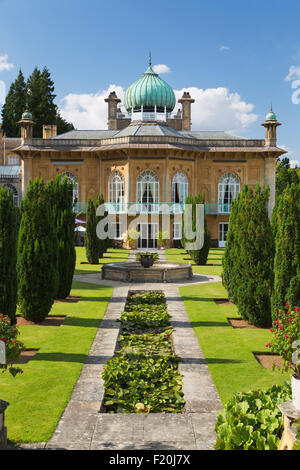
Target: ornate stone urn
point(147, 260)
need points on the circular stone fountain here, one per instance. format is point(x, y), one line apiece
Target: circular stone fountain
point(160, 271)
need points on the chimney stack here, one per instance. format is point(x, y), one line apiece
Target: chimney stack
point(49, 130)
point(186, 102)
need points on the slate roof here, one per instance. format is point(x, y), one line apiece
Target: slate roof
point(10, 171)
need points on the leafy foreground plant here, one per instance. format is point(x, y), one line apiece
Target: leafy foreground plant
point(143, 375)
point(252, 420)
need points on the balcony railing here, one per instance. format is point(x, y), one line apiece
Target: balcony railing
point(133, 208)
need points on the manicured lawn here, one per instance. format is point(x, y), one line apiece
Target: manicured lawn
point(227, 350)
point(112, 255)
point(214, 261)
point(39, 396)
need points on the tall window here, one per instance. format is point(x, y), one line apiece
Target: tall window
point(14, 191)
point(72, 178)
point(228, 189)
point(13, 160)
point(179, 187)
point(148, 191)
point(116, 189)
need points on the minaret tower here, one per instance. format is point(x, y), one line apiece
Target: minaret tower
point(270, 126)
point(26, 124)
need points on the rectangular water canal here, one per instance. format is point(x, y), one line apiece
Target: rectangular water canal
point(143, 375)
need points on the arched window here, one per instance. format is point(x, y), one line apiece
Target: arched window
point(228, 189)
point(179, 187)
point(148, 191)
point(14, 191)
point(72, 178)
point(116, 190)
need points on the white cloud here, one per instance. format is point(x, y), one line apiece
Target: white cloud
point(294, 73)
point(88, 111)
point(214, 109)
point(294, 163)
point(4, 65)
point(218, 109)
point(161, 68)
point(2, 92)
point(224, 48)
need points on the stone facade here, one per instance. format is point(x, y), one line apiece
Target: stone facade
point(140, 144)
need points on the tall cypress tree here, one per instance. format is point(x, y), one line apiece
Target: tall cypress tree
point(91, 240)
point(37, 254)
point(249, 254)
point(8, 255)
point(14, 106)
point(61, 197)
point(229, 274)
point(287, 255)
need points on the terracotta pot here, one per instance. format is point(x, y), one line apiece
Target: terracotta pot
point(295, 392)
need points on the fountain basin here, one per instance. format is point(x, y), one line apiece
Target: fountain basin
point(160, 271)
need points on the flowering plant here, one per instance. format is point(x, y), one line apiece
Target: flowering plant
point(286, 336)
point(13, 347)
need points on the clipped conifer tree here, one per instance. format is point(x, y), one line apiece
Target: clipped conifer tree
point(8, 255)
point(91, 240)
point(251, 260)
point(197, 255)
point(37, 254)
point(61, 197)
point(287, 250)
point(229, 267)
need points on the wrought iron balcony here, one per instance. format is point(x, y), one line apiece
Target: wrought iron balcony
point(133, 208)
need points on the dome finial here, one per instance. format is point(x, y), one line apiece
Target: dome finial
point(150, 63)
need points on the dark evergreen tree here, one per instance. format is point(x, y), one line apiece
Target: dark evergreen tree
point(14, 106)
point(91, 240)
point(65, 225)
point(38, 96)
point(61, 197)
point(197, 255)
point(8, 255)
point(253, 261)
point(37, 254)
point(287, 255)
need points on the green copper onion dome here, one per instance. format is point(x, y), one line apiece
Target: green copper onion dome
point(149, 90)
point(26, 115)
point(271, 116)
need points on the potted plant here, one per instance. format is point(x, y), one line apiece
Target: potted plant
point(162, 238)
point(286, 342)
point(132, 238)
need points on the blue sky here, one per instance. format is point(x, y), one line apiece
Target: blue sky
point(237, 58)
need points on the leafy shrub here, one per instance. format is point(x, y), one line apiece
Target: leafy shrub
point(132, 381)
point(251, 420)
point(285, 331)
point(9, 334)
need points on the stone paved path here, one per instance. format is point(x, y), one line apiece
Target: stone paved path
point(82, 426)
